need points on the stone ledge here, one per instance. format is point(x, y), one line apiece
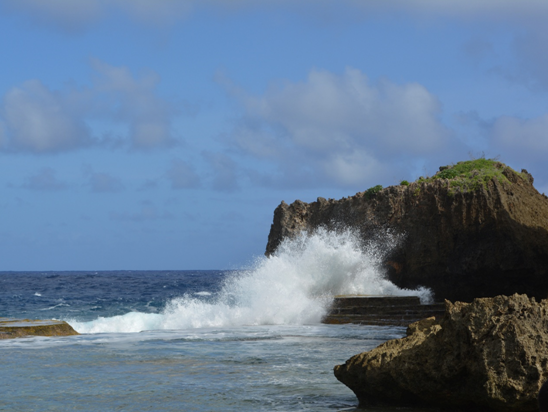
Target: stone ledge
point(11, 328)
point(380, 310)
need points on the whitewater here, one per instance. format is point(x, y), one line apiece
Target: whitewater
point(295, 286)
point(238, 340)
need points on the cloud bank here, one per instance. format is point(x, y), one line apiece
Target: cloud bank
point(525, 139)
point(78, 16)
point(37, 119)
point(337, 128)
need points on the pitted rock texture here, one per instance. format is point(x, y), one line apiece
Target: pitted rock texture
point(461, 244)
point(488, 355)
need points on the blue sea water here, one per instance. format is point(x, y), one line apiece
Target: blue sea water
point(248, 340)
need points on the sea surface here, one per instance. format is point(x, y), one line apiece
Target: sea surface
point(245, 340)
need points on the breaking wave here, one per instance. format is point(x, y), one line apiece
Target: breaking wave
point(293, 287)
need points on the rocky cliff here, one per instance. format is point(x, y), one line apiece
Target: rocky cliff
point(488, 355)
point(475, 229)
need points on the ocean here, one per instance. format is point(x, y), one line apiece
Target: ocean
point(188, 340)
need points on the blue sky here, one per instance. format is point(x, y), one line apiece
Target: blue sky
point(139, 134)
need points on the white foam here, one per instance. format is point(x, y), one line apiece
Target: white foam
point(292, 287)
point(56, 306)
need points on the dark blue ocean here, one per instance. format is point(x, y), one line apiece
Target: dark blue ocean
point(247, 340)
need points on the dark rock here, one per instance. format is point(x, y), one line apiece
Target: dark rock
point(462, 243)
point(543, 398)
point(488, 355)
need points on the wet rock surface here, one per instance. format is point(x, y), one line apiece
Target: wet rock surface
point(18, 328)
point(484, 241)
point(488, 355)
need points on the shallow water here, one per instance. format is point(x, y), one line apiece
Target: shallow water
point(274, 368)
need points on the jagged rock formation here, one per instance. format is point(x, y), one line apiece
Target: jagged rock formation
point(19, 328)
point(480, 237)
point(488, 355)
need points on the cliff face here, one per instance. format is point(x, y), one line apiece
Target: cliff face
point(488, 355)
point(487, 241)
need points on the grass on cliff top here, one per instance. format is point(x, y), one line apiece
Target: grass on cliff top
point(469, 175)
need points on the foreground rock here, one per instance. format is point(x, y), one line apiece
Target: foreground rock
point(19, 328)
point(476, 229)
point(489, 355)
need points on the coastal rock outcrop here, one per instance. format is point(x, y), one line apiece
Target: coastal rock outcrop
point(488, 355)
point(475, 229)
point(19, 328)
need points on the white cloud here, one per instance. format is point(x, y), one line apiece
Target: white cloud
point(523, 16)
point(352, 169)
point(339, 128)
point(44, 180)
point(40, 120)
point(182, 175)
point(37, 119)
point(451, 7)
point(134, 102)
point(332, 112)
point(525, 137)
point(68, 15)
point(76, 16)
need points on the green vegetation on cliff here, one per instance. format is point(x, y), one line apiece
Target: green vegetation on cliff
point(470, 175)
point(372, 191)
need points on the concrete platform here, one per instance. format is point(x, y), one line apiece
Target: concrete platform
point(11, 328)
point(380, 310)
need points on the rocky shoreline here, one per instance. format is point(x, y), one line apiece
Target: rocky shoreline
point(488, 355)
point(464, 233)
point(474, 232)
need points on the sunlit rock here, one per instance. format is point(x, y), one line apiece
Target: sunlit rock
point(475, 229)
point(19, 328)
point(488, 355)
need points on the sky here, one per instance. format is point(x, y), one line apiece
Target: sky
point(156, 135)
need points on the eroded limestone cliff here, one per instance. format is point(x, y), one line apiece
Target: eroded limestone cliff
point(488, 355)
point(479, 238)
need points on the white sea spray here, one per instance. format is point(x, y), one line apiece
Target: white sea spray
point(292, 287)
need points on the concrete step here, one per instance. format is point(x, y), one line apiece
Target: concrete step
point(364, 310)
point(374, 301)
point(380, 321)
point(381, 310)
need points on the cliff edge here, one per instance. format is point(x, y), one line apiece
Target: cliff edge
point(475, 229)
